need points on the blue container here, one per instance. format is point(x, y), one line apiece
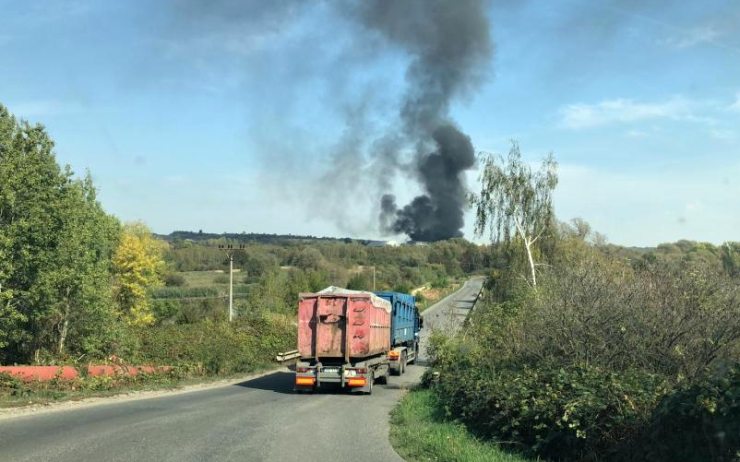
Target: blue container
point(404, 317)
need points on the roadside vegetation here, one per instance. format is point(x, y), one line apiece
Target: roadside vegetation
point(585, 351)
point(79, 287)
point(421, 432)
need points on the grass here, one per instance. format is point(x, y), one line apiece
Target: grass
point(419, 433)
point(208, 278)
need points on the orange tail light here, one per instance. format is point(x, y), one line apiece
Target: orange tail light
point(305, 380)
point(358, 382)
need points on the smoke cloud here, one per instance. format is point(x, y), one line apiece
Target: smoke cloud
point(439, 213)
point(450, 47)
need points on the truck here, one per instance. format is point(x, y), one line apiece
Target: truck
point(354, 338)
point(405, 326)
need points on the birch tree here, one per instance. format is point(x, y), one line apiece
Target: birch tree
point(515, 202)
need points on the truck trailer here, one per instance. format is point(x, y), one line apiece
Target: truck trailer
point(405, 326)
point(353, 338)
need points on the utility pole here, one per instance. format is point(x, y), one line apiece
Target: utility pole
point(373, 278)
point(230, 249)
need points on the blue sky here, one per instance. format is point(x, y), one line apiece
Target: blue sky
point(224, 118)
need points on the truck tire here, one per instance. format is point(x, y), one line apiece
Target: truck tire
point(370, 381)
point(416, 355)
point(383, 379)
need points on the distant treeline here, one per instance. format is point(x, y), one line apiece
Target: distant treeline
point(263, 238)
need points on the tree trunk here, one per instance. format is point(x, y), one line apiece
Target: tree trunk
point(63, 334)
point(528, 246)
point(65, 326)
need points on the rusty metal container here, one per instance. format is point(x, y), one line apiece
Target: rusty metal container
point(343, 324)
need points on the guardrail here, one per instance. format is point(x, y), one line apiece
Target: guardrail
point(287, 356)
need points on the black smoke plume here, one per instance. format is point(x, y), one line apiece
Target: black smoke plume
point(450, 46)
point(438, 214)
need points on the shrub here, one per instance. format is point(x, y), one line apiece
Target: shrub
point(164, 309)
point(440, 283)
point(360, 281)
point(174, 280)
point(697, 423)
point(219, 347)
point(576, 369)
point(12, 386)
point(185, 292)
point(574, 413)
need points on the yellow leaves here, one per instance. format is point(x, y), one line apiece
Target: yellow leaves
point(138, 266)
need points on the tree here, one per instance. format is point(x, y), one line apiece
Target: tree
point(73, 287)
point(730, 255)
point(138, 267)
point(515, 201)
point(55, 249)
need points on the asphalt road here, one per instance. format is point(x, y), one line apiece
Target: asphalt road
point(449, 313)
point(257, 420)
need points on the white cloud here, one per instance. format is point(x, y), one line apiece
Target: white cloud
point(723, 134)
point(693, 37)
point(648, 206)
point(636, 134)
point(736, 105)
point(712, 113)
point(580, 115)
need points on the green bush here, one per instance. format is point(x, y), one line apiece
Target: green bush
point(569, 413)
point(164, 309)
point(440, 283)
point(174, 280)
point(12, 386)
point(219, 347)
point(360, 281)
point(576, 368)
point(186, 292)
point(697, 423)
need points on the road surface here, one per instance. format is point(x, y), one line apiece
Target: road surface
point(449, 313)
point(257, 420)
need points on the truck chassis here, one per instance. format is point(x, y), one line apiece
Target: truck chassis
point(356, 375)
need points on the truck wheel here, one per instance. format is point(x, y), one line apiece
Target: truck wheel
point(383, 379)
point(370, 381)
point(416, 355)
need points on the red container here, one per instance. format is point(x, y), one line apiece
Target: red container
point(340, 323)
